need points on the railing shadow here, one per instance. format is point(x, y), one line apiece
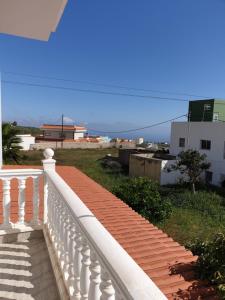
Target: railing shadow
point(198, 287)
point(26, 272)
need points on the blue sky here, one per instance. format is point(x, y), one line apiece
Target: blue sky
point(174, 46)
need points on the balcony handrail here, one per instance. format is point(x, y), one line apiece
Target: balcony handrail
point(20, 172)
point(131, 280)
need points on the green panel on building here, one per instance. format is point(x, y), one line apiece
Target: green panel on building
point(209, 110)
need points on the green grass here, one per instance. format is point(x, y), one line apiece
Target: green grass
point(186, 225)
point(87, 160)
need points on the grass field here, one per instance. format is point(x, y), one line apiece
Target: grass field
point(87, 160)
point(184, 225)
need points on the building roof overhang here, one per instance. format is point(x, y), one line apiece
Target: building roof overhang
point(35, 19)
point(65, 127)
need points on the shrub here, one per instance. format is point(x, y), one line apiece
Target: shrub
point(211, 260)
point(143, 196)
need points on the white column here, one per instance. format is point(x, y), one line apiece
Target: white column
point(1, 158)
point(106, 287)
point(85, 272)
point(48, 164)
point(6, 203)
point(35, 220)
point(95, 280)
point(77, 262)
point(22, 186)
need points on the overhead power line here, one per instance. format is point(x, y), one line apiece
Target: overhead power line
point(102, 84)
point(92, 91)
point(140, 128)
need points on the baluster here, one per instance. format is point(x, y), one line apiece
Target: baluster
point(67, 233)
point(85, 272)
point(22, 186)
point(77, 263)
point(62, 241)
point(6, 203)
point(56, 225)
point(36, 199)
point(57, 230)
point(50, 212)
point(53, 204)
point(106, 286)
point(71, 279)
point(95, 269)
point(46, 197)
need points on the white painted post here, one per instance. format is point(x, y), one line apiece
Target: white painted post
point(95, 280)
point(22, 186)
point(1, 156)
point(6, 203)
point(77, 262)
point(106, 287)
point(85, 272)
point(35, 220)
point(48, 164)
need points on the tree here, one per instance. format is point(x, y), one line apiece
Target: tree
point(191, 164)
point(10, 143)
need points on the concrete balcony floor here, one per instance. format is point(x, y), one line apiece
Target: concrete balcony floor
point(25, 268)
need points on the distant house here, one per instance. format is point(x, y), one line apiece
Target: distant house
point(26, 141)
point(66, 132)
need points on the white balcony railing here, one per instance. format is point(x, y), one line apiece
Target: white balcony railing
point(92, 263)
point(22, 175)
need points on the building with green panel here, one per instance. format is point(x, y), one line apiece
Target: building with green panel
point(209, 110)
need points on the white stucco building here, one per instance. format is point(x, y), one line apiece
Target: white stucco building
point(26, 141)
point(206, 137)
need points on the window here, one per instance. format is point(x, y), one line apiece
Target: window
point(205, 144)
point(216, 117)
point(207, 107)
point(182, 142)
point(208, 176)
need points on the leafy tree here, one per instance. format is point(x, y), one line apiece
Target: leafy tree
point(191, 164)
point(10, 143)
point(143, 196)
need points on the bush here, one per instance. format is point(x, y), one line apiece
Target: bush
point(211, 260)
point(143, 196)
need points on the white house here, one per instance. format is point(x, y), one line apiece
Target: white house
point(26, 141)
point(206, 137)
point(67, 132)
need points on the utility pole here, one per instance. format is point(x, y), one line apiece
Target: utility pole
point(1, 158)
point(62, 132)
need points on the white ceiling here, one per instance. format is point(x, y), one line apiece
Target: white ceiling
point(34, 19)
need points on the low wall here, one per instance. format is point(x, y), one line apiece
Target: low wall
point(73, 145)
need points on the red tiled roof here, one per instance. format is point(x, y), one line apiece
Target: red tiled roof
point(66, 127)
point(166, 262)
